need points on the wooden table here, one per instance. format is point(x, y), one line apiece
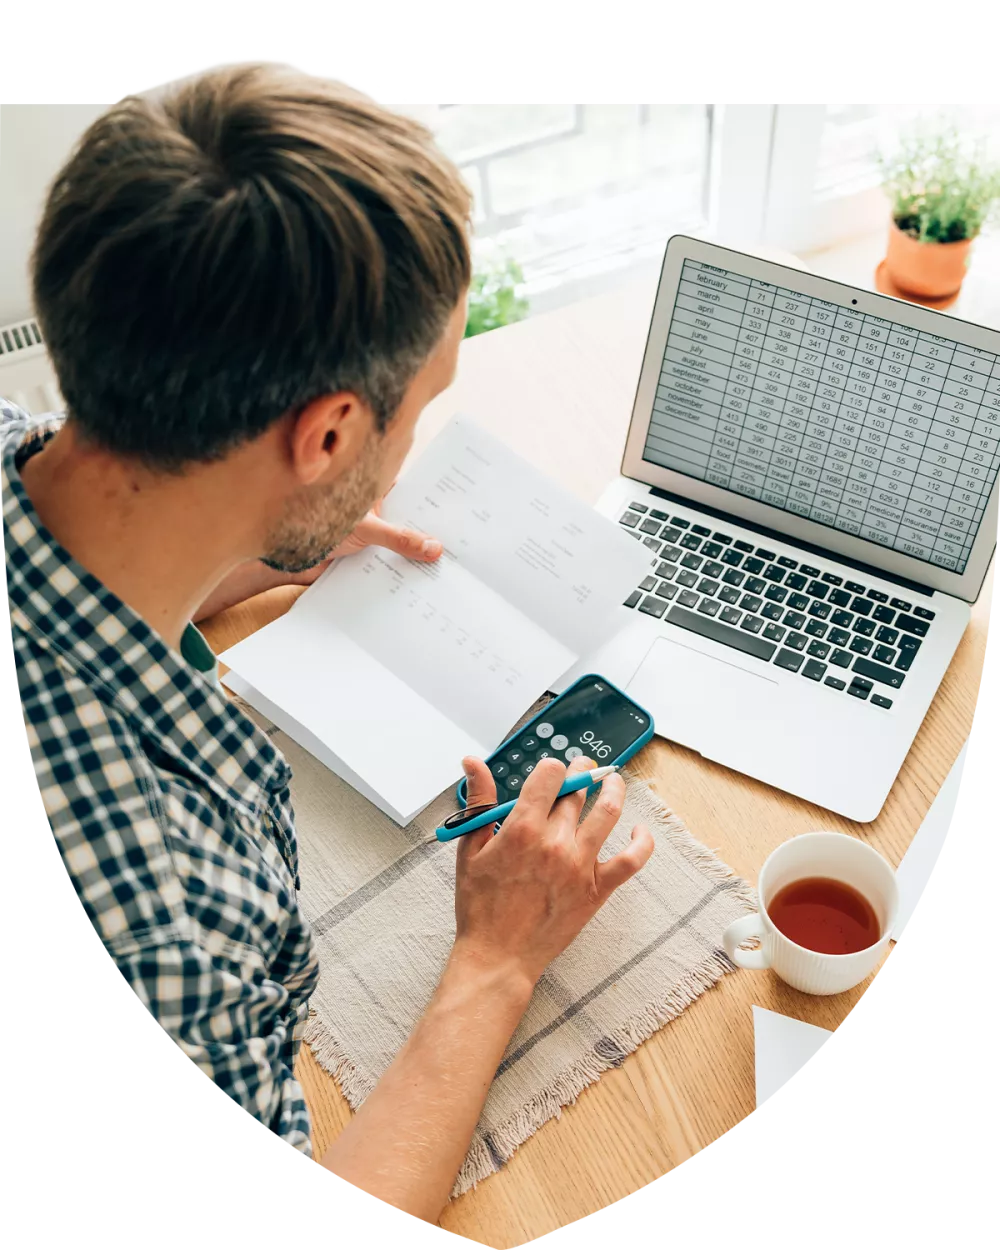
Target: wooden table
point(559, 388)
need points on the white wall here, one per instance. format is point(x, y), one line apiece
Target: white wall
point(35, 139)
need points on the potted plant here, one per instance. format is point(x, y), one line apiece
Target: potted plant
point(494, 298)
point(941, 193)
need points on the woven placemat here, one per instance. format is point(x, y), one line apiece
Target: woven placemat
point(380, 900)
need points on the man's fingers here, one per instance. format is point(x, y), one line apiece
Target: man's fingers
point(539, 791)
point(617, 870)
point(603, 816)
point(570, 806)
point(480, 788)
point(410, 543)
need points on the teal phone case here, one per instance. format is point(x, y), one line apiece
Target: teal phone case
point(625, 756)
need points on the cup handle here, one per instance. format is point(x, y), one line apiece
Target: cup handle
point(739, 931)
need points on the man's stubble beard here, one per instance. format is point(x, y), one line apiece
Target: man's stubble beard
point(318, 519)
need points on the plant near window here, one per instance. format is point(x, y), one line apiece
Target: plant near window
point(494, 298)
point(942, 191)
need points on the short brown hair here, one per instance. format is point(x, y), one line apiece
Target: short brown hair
point(252, 239)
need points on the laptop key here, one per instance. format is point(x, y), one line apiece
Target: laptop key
point(884, 655)
point(648, 583)
point(787, 562)
point(855, 586)
point(653, 544)
point(796, 581)
point(710, 607)
point(633, 598)
point(886, 635)
point(653, 607)
point(794, 620)
point(670, 534)
point(821, 610)
point(819, 649)
point(839, 637)
point(901, 604)
point(688, 598)
point(860, 645)
point(707, 587)
point(638, 507)
point(712, 550)
point(718, 632)
point(713, 569)
point(859, 691)
point(660, 516)
point(629, 519)
point(773, 611)
point(912, 625)
point(814, 670)
point(842, 659)
point(777, 594)
point(691, 541)
point(789, 659)
point(773, 573)
point(666, 568)
point(836, 683)
point(649, 526)
point(730, 615)
point(766, 555)
point(774, 632)
point(798, 602)
point(686, 578)
point(842, 618)
point(832, 579)
point(733, 577)
point(702, 530)
point(798, 641)
point(750, 603)
point(879, 672)
point(753, 565)
point(752, 624)
point(880, 701)
point(817, 589)
point(742, 546)
point(840, 598)
point(864, 626)
point(731, 557)
point(809, 570)
point(884, 614)
point(722, 538)
point(691, 561)
point(666, 590)
point(728, 594)
point(878, 596)
point(756, 585)
point(816, 629)
point(679, 522)
point(863, 607)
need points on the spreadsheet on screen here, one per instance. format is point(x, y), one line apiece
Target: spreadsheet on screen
point(862, 424)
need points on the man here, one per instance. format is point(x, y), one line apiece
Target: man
point(250, 287)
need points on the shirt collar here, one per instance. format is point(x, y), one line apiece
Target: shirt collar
point(67, 610)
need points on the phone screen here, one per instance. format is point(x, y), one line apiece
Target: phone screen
point(591, 718)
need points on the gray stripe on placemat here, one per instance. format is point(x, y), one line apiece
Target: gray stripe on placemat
point(396, 871)
point(575, 1007)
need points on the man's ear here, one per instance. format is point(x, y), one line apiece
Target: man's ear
point(327, 436)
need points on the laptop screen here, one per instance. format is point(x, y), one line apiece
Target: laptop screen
point(864, 425)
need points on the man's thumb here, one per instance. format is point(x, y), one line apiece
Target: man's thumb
point(480, 788)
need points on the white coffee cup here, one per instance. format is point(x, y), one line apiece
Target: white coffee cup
point(832, 855)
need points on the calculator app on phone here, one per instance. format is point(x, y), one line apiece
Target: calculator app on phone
point(592, 718)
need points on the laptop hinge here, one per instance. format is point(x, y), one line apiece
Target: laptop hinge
point(776, 535)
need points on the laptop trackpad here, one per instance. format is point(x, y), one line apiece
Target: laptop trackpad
point(692, 695)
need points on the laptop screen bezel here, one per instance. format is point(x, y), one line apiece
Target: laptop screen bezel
point(965, 585)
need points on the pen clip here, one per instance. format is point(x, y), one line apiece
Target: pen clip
point(467, 813)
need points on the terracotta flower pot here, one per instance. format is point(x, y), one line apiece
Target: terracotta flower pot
point(925, 271)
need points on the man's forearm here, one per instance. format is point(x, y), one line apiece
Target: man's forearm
point(408, 1141)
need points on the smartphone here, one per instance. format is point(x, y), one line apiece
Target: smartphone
point(592, 718)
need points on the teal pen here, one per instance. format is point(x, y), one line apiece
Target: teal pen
point(471, 818)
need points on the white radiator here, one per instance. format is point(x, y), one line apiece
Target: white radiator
point(26, 374)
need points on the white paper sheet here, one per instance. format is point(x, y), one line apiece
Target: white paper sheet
point(921, 855)
point(390, 670)
point(781, 1046)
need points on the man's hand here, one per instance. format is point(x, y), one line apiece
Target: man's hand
point(254, 577)
point(523, 895)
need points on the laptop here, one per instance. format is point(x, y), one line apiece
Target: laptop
point(813, 468)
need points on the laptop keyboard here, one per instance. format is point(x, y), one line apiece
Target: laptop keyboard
point(797, 616)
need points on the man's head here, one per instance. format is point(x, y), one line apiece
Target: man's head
point(256, 257)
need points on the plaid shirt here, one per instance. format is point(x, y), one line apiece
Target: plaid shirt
point(170, 809)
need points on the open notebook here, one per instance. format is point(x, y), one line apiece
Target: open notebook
point(389, 671)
